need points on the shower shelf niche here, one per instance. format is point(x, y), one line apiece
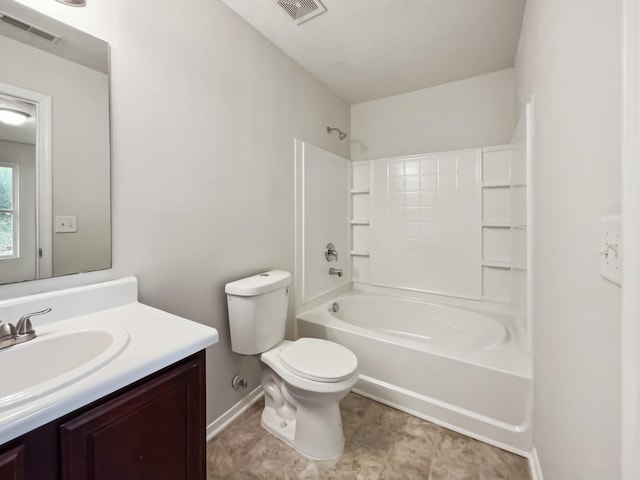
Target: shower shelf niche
point(496, 264)
point(359, 220)
point(496, 185)
point(496, 224)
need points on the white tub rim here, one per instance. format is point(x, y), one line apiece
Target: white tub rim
point(469, 357)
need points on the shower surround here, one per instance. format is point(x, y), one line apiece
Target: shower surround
point(436, 311)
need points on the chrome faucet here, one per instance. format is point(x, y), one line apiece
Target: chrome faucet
point(335, 271)
point(23, 331)
point(330, 253)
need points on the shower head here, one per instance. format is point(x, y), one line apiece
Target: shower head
point(341, 135)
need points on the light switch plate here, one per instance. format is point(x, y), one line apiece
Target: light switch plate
point(66, 223)
point(611, 248)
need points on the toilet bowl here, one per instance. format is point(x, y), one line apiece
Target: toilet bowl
point(303, 380)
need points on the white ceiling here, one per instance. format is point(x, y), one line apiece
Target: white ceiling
point(369, 49)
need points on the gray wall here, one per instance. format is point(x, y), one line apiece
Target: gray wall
point(475, 112)
point(569, 58)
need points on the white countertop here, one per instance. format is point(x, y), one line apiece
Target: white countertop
point(157, 339)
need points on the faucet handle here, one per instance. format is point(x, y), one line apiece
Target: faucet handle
point(24, 326)
point(7, 334)
point(7, 330)
point(330, 252)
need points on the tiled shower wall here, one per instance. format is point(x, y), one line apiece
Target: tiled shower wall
point(439, 223)
point(425, 231)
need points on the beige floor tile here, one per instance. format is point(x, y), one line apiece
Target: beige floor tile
point(392, 472)
point(412, 452)
point(498, 464)
point(458, 447)
point(451, 470)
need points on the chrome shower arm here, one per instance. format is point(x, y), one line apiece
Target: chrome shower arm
point(341, 135)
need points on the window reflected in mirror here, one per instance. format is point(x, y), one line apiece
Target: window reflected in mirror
point(8, 233)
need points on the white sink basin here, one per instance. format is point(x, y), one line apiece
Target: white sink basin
point(54, 359)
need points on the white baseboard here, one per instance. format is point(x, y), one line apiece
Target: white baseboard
point(534, 465)
point(219, 424)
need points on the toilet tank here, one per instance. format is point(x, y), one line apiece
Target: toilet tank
point(258, 311)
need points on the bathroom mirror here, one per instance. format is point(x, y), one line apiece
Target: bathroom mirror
point(55, 216)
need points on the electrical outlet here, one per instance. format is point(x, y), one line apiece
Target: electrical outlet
point(66, 224)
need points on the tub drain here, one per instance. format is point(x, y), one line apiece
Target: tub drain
point(335, 307)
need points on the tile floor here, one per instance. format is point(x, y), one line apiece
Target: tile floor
point(381, 443)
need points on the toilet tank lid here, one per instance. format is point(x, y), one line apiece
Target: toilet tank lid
point(258, 284)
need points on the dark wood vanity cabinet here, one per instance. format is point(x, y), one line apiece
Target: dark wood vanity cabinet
point(152, 430)
point(12, 463)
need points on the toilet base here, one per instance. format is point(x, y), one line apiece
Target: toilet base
point(309, 422)
point(285, 430)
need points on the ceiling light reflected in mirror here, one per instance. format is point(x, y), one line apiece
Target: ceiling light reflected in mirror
point(13, 117)
point(74, 3)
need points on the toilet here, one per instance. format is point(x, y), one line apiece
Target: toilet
point(303, 380)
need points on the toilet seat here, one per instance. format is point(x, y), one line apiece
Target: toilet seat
point(319, 360)
point(273, 359)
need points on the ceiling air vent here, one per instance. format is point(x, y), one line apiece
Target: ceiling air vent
point(302, 10)
point(14, 22)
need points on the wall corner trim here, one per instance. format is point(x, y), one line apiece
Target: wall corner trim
point(534, 465)
point(219, 424)
point(630, 353)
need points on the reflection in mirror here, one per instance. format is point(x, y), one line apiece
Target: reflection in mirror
point(17, 189)
point(55, 216)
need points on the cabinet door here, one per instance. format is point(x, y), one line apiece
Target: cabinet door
point(153, 432)
point(12, 464)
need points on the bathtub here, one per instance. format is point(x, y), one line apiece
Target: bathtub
point(458, 367)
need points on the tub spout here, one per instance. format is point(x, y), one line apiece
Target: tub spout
point(335, 271)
